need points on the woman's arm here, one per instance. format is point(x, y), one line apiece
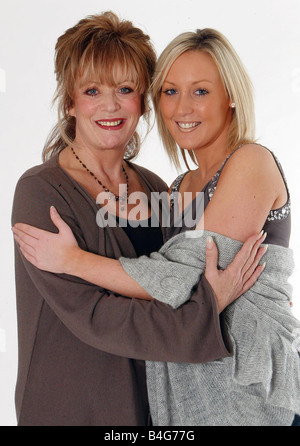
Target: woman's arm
point(60, 253)
point(132, 328)
point(239, 208)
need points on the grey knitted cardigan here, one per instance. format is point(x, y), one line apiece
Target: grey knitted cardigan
point(260, 384)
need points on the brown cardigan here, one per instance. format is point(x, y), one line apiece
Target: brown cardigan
point(75, 339)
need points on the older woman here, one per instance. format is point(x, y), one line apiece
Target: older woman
point(75, 339)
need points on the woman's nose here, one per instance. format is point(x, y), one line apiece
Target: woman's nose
point(184, 104)
point(109, 102)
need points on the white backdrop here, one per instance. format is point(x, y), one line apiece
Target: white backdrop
point(266, 34)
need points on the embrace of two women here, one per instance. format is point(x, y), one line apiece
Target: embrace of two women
point(136, 323)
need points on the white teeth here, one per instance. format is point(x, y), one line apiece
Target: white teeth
point(110, 123)
point(188, 125)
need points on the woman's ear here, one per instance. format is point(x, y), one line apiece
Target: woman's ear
point(72, 112)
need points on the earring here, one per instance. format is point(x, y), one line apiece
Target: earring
point(232, 105)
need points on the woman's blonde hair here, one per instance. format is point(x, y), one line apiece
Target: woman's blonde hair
point(96, 48)
point(236, 83)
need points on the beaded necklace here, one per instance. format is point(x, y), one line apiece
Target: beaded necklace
point(121, 198)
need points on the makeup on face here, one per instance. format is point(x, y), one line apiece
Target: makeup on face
point(194, 103)
point(106, 115)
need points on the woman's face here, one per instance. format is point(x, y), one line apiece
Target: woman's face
point(194, 104)
point(106, 116)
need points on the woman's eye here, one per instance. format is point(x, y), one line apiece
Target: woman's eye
point(91, 92)
point(126, 90)
point(201, 92)
point(169, 92)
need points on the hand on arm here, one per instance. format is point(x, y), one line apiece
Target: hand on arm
point(59, 253)
point(240, 275)
point(248, 187)
point(46, 250)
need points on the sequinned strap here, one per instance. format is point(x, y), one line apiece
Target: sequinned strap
point(215, 178)
point(176, 186)
point(283, 212)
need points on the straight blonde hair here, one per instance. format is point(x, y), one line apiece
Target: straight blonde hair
point(94, 49)
point(235, 79)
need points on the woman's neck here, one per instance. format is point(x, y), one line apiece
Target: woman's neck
point(210, 160)
point(107, 164)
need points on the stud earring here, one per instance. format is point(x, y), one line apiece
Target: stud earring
point(232, 105)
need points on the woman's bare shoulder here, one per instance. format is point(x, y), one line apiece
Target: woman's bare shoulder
point(253, 152)
point(251, 159)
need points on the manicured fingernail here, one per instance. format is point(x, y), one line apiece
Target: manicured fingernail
point(209, 242)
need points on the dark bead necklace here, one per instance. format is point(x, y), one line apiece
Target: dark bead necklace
point(122, 198)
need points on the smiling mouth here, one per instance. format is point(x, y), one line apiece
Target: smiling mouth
point(111, 124)
point(187, 125)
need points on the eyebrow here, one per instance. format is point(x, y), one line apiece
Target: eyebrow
point(120, 82)
point(193, 83)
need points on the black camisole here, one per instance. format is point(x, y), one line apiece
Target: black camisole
point(144, 237)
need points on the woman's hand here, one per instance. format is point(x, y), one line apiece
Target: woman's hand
point(240, 275)
point(46, 250)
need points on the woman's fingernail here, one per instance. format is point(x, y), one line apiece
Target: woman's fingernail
point(209, 242)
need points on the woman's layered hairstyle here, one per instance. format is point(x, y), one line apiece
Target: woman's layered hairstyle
point(96, 48)
point(235, 79)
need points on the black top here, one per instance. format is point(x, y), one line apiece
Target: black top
point(144, 237)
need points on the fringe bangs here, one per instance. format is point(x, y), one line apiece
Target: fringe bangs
point(106, 61)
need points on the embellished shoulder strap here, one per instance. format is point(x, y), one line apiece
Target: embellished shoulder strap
point(284, 211)
point(215, 178)
point(175, 187)
point(230, 154)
